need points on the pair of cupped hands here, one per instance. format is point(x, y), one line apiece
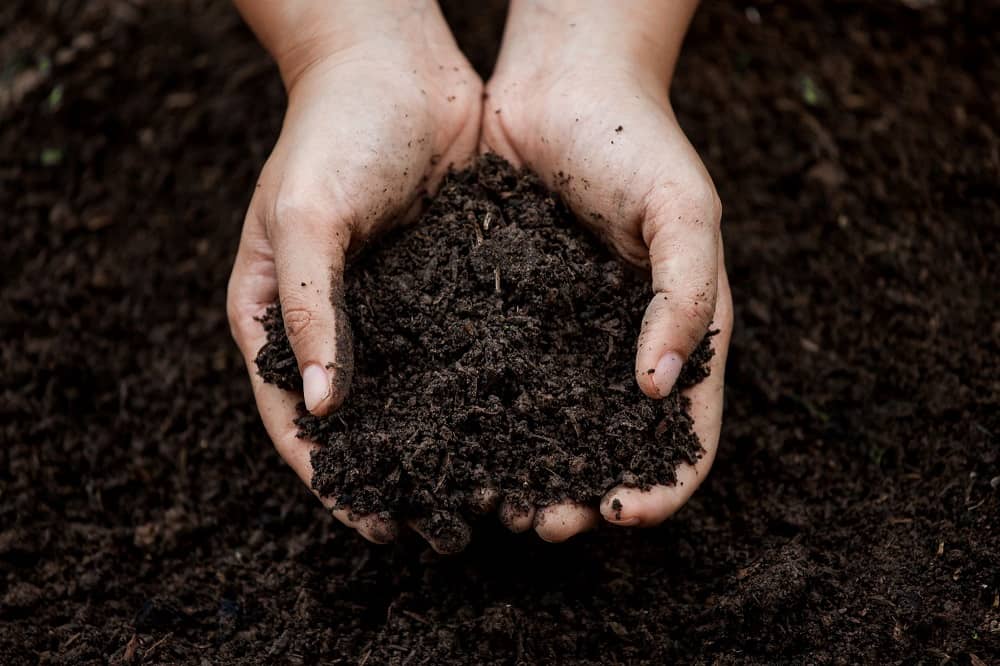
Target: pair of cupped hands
point(377, 115)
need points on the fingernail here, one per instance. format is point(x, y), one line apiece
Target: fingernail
point(667, 372)
point(616, 515)
point(625, 523)
point(315, 386)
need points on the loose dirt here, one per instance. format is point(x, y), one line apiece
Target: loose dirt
point(495, 348)
point(852, 514)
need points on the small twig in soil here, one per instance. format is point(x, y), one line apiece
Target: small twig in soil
point(479, 233)
point(549, 440)
point(368, 653)
point(576, 425)
point(154, 646)
point(130, 648)
point(553, 473)
point(416, 616)
point(444, 474)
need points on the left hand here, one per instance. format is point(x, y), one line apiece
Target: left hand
point(380, 104)
point(593, 119)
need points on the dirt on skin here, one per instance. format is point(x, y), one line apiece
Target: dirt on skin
point(495, 348)
point(852, 514)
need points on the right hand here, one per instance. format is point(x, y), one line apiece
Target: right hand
point(370, 127)
point(593, 118)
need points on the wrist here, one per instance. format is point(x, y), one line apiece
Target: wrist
point(641, 37)
point(301, 33)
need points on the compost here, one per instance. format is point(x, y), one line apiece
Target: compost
point(853, 511)
point(495, 348)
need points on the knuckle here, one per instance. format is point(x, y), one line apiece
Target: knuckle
point(299, 322)
point(698, 309)
point(692, 201)
point(697, 315)
point(700, 204)
point(630, 249)
point(297, 210)
point(298, 221)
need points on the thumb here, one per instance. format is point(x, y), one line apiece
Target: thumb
point(682, 235)
point(309, 261)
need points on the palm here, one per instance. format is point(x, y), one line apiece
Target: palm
point(360, 144)
point(609, 144)
point(605, 158)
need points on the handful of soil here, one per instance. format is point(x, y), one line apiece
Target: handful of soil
point(494, 344)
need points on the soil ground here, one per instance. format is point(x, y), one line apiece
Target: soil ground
point(854, 510)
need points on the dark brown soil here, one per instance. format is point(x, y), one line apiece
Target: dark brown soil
point(853, 513)
point(495, 348)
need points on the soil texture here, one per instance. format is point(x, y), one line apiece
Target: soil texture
point(852, 514)
point(495, 348)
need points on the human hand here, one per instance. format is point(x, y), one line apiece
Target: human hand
point(380, 104)
point(587, 108)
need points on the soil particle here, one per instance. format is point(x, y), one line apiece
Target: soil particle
point(495, 348)
point(616, 506)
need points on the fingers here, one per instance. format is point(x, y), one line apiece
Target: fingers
point(310, 253)
point(517, 518)
point(554, 523)
point(559, 522)
point(252, 288)
point(278, 410)
point(448, 534)
point(681, 230)
point(632, 507)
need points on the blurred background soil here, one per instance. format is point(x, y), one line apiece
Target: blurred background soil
point(854, 510)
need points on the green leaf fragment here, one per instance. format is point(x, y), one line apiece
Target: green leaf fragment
point(51, 156)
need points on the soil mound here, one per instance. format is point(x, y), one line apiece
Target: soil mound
point(495, 343)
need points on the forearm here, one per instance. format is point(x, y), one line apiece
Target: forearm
point(298, 32)
point(644, 34)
